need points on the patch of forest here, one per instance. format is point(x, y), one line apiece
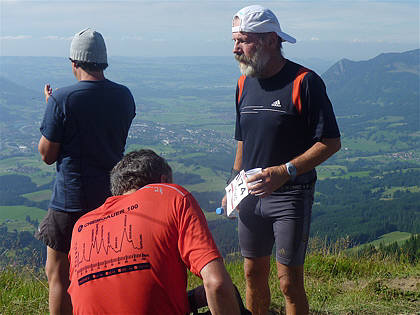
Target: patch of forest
point(366, 207)
point(363, 208)
point(407, 252)
point(13, 186)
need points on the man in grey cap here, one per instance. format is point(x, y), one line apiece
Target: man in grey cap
point(285, 125)
point(84, 130)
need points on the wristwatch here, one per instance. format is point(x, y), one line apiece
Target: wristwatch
point(291, 170)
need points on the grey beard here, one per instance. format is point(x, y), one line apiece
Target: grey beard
point(253, 66)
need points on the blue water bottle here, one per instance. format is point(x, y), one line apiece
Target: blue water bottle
point(222, 211)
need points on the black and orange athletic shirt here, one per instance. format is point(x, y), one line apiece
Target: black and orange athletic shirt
point(281, 117)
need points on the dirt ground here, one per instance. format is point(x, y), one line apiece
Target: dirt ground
point(405, 284)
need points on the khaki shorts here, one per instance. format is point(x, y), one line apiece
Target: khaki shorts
point(56, 228)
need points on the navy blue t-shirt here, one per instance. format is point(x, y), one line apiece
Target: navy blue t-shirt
point(272, 129)
point(90, 120)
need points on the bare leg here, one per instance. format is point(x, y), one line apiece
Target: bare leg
point(257, 271)
point(57, 270)
point(292, 287)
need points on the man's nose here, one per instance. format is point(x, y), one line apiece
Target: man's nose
point(236, 48)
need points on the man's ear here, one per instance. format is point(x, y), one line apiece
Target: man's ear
point(272, 40)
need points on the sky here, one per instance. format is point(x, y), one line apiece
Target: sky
point(326, 30)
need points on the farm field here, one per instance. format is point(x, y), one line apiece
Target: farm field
point(368, 189)
point(14, 217)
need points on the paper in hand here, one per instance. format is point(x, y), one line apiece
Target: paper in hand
point(235, 192)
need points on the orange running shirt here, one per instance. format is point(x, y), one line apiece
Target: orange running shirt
point(130, 256)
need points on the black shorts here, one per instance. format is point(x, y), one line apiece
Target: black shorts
point(282, 217)
point(56, 228)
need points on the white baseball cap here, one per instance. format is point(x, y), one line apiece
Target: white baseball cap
point(257, 19)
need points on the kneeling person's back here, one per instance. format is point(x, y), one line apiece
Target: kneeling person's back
point(131, 255)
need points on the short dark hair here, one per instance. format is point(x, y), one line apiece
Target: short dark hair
point(137, 169)
point(90, 66)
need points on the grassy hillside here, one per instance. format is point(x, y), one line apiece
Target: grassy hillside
point(14, 217)
point(336, 284)
point(41, 195)
point(389, 238)
point(20, 213)
point(188, 116)
point(30, 165)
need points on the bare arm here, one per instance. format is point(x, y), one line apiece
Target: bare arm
point(237, 165)
point(276, 176)
point(48, 150)
point(316, 154)
point(221, 297)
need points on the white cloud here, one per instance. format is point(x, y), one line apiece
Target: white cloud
point(17, 37)
point(55, 37)
point(203, 27)
point(132, 37)
point(358, 40)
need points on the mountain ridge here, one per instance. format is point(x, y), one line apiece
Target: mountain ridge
point(186, 113)
point(386, 85)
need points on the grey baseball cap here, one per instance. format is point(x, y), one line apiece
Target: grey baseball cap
point(88, 46)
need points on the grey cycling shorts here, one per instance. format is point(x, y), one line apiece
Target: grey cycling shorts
point(283, 218)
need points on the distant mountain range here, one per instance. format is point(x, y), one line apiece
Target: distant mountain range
point(376, 99)
point(185, 111)
point(387, 85)
point(15, 100)
point(377, 103)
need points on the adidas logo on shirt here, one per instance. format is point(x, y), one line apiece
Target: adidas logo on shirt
point(276, 104)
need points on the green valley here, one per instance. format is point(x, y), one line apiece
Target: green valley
point(185, 111)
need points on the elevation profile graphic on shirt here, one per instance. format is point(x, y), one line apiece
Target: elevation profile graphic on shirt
point(134, 251)
point(110, 245)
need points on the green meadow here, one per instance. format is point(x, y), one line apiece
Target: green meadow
point(38, 195)
point(31, 166)
point(386, 239)
point(336, 284)
point(14, 217)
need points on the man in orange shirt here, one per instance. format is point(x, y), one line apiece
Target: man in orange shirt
point(130, 256)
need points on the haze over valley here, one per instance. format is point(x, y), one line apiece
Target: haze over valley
point(185, 111)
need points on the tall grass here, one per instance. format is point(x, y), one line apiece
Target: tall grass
point(336, 283)
point(23, 291)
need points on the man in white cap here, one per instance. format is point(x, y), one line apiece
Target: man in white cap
point(84, 130)
point(285, 125)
